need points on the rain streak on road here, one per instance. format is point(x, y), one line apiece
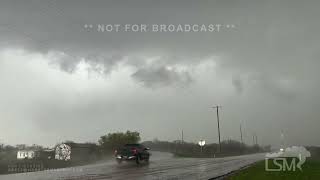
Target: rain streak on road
point(161, 166)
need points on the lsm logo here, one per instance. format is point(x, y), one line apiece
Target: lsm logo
point(288, 159)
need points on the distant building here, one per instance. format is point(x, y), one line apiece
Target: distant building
point(178, 141)
point(35, 154)
point(26, 154)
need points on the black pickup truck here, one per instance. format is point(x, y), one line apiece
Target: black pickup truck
point(132, 152)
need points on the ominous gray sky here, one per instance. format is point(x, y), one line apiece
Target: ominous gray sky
point(62, 81)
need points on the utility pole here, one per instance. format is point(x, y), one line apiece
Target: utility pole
point(241, 143)
point(217, 107)
point(241, 134)
point(282, 146)
point(182, 136)
point(253, 139)
point(256, 140)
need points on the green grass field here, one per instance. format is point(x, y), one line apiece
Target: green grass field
point(310, 171)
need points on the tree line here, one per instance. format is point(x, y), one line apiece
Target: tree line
point(189, 149)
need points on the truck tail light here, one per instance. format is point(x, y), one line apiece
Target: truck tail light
point(134, 151)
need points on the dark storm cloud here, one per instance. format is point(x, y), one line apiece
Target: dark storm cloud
point(237, 83)
point(270, 58)
point(67, 63)
point(161, 76)
point(103, 63)
point(265, 37)
point(280, 88)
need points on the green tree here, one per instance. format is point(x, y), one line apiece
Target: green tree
point(115, 140)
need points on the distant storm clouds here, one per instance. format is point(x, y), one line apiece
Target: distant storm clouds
point(59, 72)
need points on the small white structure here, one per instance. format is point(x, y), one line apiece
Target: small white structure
point(26, 154)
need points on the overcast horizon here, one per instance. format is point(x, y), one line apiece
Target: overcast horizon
point(62, 78)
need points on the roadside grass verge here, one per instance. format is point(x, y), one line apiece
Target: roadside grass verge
point(310, 171)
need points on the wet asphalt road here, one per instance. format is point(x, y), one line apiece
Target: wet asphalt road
point(161, 166)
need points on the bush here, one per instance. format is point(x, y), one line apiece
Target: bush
point(113, 141)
